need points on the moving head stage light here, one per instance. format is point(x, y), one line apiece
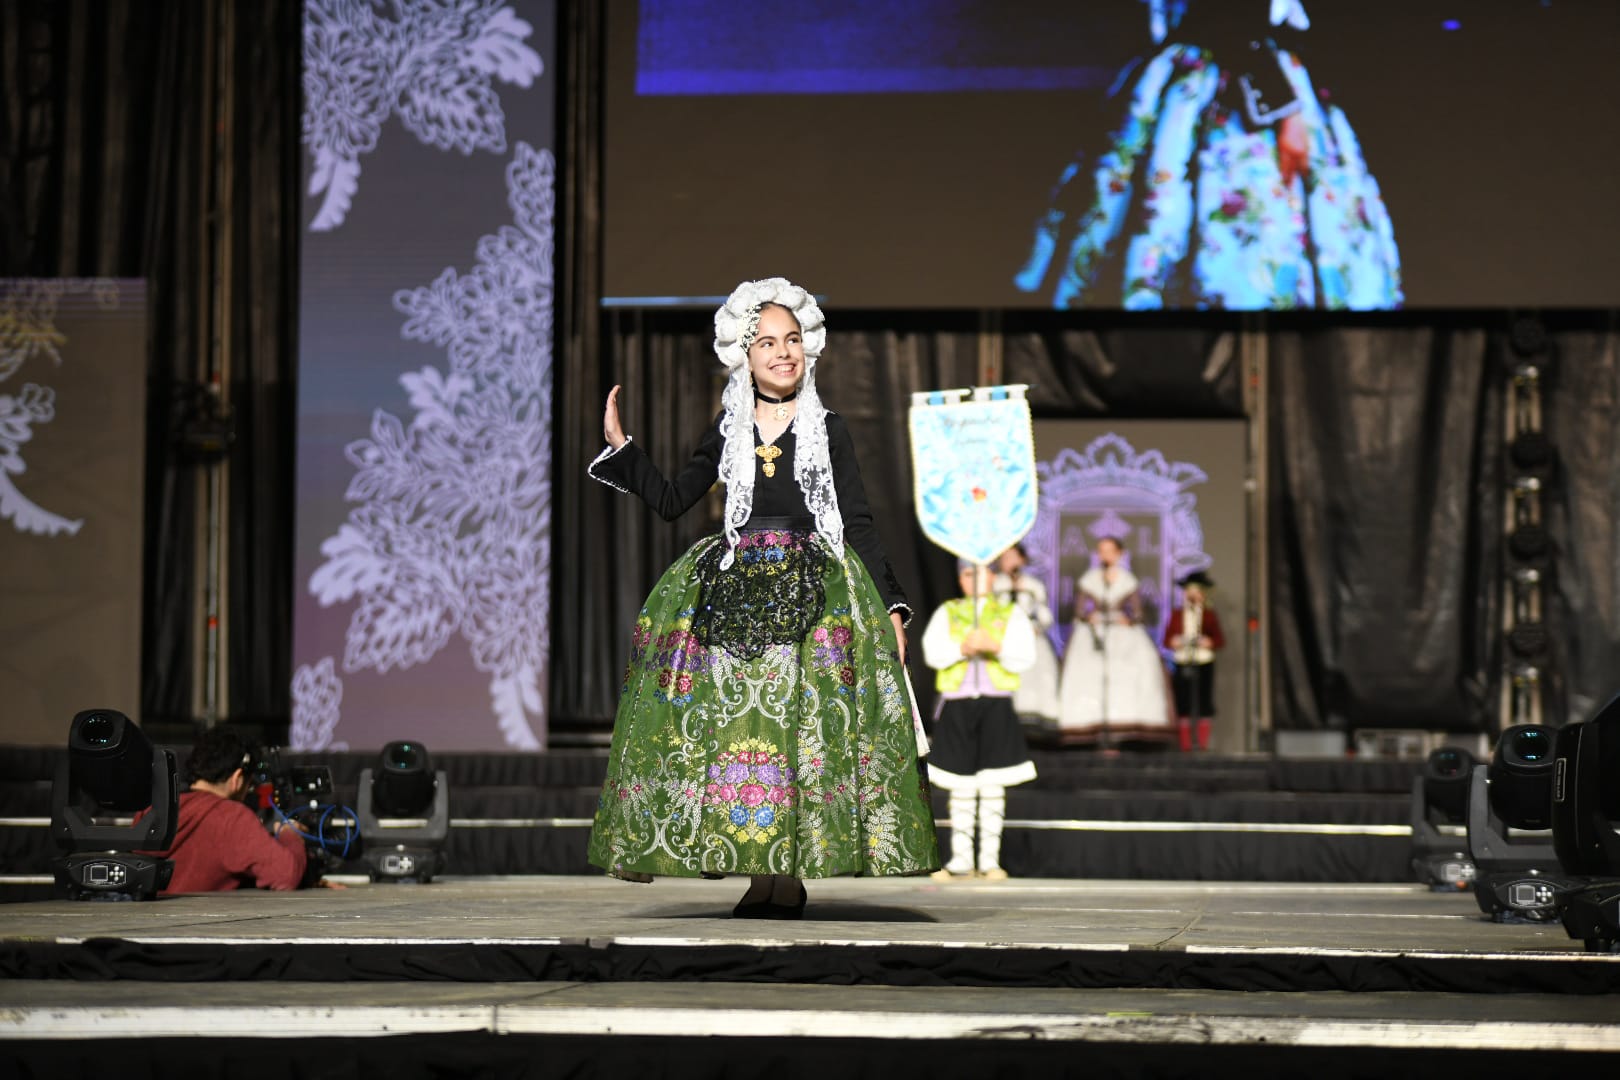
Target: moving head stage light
point(1516, 876)
point(112, 772)
point(1586, 815)
point(404, 811)
point(1440, 800)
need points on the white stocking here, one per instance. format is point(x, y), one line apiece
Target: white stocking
point(963, 807)
point(992, 812)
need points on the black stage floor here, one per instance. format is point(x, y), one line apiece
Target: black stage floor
point(460, 974)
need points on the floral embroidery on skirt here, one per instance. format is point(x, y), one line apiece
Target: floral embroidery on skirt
point(763, 724)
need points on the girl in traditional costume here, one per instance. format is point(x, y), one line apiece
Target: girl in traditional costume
point(765, 725)
point(1113, 675)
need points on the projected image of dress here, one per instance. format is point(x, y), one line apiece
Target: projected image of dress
point(1230, 182)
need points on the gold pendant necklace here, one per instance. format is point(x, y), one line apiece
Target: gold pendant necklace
point(769, 453)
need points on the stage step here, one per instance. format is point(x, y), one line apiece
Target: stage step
point(67, 1010)
point(878, 932)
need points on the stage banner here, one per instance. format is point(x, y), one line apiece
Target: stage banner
point(974, 466)
point(72, 447)
point(425, 375)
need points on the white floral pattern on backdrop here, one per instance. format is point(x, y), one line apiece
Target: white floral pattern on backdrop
point(28, 332)
point(453, 531)
point(317, 699)
point(431, 61)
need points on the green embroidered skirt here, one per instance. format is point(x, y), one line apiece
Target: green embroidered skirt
point(764, 725)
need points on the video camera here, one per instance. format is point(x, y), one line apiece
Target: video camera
point(306, 797)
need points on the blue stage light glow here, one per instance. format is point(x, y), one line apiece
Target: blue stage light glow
point(886, 47)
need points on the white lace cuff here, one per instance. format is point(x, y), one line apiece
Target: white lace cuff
point(901, 605)
point(607, 453)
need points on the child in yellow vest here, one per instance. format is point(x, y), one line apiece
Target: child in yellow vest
point(978, 749)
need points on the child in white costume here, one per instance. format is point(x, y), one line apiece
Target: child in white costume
point(979, 645)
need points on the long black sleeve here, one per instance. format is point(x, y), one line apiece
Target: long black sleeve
point(860, 531)
point(630, 470)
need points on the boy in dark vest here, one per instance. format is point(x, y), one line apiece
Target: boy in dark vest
point(1193, 636)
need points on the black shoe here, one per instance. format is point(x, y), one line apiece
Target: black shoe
point(795, 911)
point(766, 909)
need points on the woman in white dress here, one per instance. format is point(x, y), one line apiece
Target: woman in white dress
point(1112, 688)
point(1037, 694)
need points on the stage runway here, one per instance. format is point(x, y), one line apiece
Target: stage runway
point(1060, 915)
point(1365, 966)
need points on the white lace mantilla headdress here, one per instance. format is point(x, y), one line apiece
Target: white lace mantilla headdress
point(735, 324)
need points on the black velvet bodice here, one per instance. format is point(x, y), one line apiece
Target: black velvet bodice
point(775, 497)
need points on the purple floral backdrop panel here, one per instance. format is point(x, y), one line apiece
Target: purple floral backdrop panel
point(1173, 493)
point(72, 444)
point(425, 375)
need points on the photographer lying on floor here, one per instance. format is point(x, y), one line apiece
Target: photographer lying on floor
point(220, 844)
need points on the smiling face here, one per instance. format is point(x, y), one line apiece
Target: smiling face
point(776, 355)
point(1109, 551)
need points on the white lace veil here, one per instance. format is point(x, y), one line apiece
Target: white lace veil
point(734, 326)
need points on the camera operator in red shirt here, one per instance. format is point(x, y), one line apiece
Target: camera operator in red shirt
point(219, 843)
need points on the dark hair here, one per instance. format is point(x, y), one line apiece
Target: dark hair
point(1116, 541)
point(770, 304)
point(216, 754)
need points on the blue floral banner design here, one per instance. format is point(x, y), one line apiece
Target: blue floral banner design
point(973, 463)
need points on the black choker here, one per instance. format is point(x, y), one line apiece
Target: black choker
point(780, 402)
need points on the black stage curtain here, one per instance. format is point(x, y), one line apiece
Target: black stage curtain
point(1389, 477)
point(1386, 522)
point(1580, 408)
point(111, 157)
point(1140, 366)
